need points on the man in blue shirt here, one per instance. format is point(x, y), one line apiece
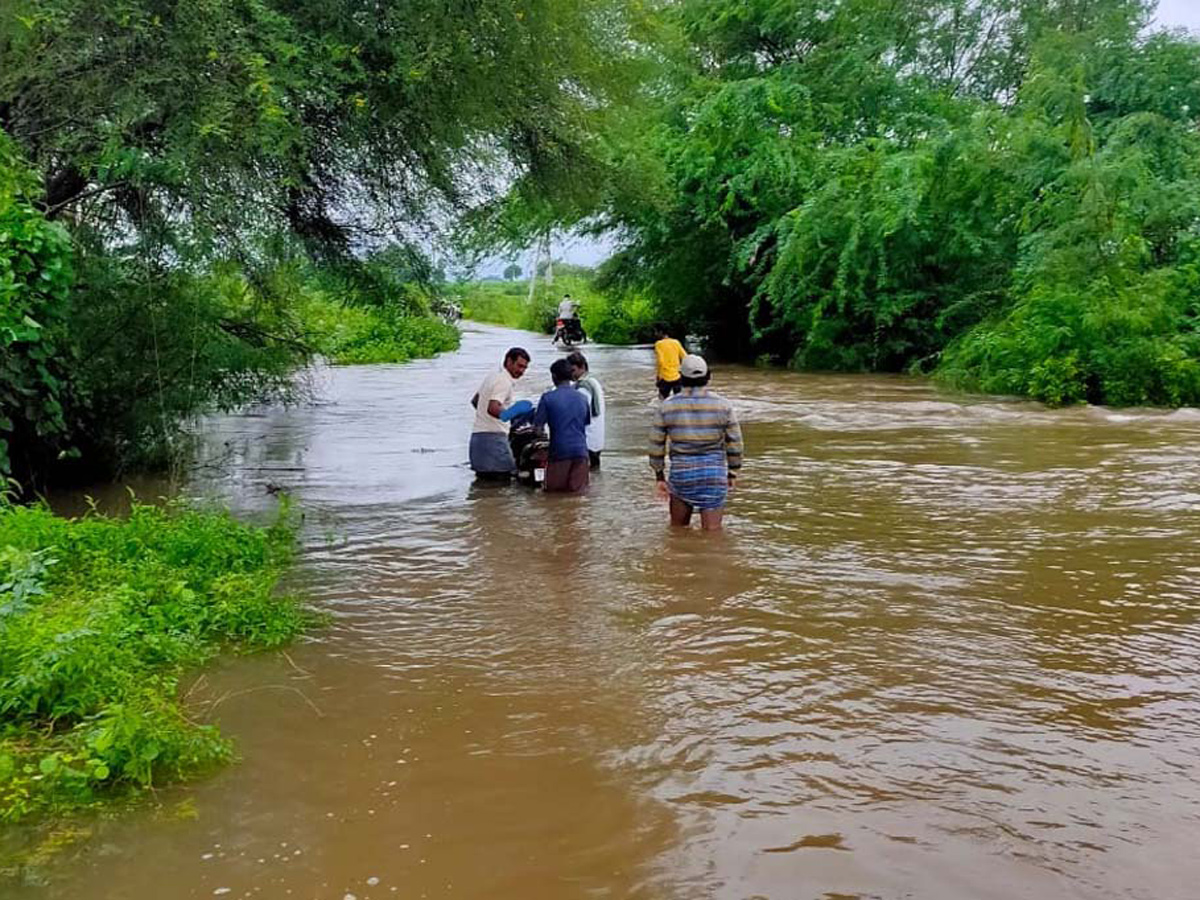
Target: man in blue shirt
point(568, 413)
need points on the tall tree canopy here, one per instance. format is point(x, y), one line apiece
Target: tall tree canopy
point(330, 116)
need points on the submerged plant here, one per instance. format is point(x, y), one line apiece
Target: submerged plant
point(99, 620)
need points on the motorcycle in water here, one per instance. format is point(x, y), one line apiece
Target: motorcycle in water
point(569, 332)
point(530, 448)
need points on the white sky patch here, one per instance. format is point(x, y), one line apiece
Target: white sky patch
point(1176, 13)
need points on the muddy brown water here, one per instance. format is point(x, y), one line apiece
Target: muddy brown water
point(947, 648)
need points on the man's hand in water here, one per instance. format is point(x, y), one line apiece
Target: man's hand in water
point(660, 490)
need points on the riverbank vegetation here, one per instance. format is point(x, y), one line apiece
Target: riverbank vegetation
point(391, 308)
point(351, 335)
point(508, 304)
point(100, 619)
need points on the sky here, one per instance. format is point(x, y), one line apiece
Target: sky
point(1180, 12)
point(589, 252)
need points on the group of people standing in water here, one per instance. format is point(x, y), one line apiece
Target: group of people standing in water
point(691, 426)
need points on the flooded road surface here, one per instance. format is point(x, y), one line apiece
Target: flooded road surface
point(947, 648)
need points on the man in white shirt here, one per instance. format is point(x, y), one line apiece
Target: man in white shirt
point(491, 457)
point(568, 308)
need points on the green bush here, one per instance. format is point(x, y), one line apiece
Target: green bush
point(157, 348)
point(506, 304)
point(624, 318)
point(1128, 346)
point(99, 619)
point(349, 335)
point(35, 281)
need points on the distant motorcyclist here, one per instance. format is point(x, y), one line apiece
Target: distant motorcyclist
point(568, 308)
point(568, 329)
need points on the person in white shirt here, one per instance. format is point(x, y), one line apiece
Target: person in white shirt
point(591, 387)
point(491, 457)
point(568, 308)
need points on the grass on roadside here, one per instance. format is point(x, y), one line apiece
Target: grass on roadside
point(350, 335)
point(624, 318)
point(99, 619)
point(507, 303)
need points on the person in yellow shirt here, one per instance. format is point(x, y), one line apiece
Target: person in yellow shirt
point(670, 354)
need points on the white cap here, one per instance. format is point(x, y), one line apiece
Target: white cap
point(693, 366)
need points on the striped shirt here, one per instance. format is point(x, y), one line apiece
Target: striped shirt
point(697, 422)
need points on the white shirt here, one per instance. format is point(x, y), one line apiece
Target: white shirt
point(497, 386)
point(566, 309)
point(595, 429)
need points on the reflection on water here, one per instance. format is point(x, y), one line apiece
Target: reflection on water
point(947, 648)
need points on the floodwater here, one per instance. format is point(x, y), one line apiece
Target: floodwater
point(947, 648)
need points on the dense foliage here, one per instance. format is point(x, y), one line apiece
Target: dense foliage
point(35, 279)
point(1004, 192)
point(99, 618)
point(191, 149)
point(387, 333)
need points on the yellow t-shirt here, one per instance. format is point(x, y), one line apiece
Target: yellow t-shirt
point(670, 354)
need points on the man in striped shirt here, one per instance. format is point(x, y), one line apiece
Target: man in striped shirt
point(706, 448)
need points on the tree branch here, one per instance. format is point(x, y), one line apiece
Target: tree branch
point(58, 207)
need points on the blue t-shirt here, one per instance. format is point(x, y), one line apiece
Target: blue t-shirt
point(567, 412)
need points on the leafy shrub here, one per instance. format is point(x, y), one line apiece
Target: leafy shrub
point(624, 318)
point(1138, 345)
point(156, 348)
point(109, 616)
point(374, 334)
point(35, 280)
